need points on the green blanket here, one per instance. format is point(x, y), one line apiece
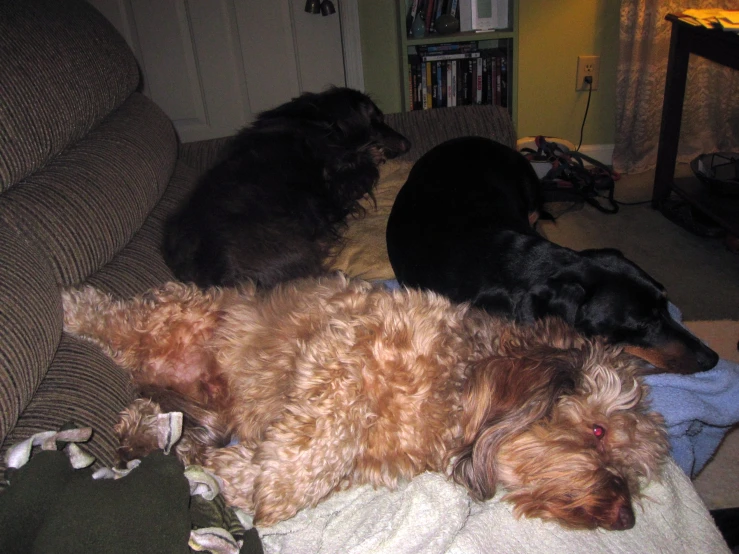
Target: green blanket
point(50, 507)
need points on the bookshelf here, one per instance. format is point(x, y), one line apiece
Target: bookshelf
point(505, 39)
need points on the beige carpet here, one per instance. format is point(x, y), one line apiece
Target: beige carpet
point(718, 483)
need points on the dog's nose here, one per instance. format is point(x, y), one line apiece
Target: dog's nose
point(405, 145)
point(625, 518)
point(706, 358)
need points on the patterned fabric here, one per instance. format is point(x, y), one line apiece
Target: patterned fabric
point(710, 120)
point(152, 506)
point(203, 154)
point(64, 68)
point(30, 323)
point(425, 129)
point(140, 265)
point(86, 176)
point(86, 203)
point(82, 384)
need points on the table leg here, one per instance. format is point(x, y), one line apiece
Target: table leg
point(672, 111)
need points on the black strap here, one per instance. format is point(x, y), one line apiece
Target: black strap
point(569, 176)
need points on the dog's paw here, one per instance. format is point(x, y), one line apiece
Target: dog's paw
point(137, 429)
point(78, 305)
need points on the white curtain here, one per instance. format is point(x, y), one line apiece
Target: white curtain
point(710, 120)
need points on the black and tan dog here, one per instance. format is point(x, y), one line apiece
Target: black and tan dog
point(275, 204)
point(462, 225)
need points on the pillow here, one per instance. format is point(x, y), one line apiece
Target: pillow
point(363, 251)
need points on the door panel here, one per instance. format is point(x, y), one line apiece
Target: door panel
point(212, 65)
point(268, 50)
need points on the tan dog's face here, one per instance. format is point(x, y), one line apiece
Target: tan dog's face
point(582, 465)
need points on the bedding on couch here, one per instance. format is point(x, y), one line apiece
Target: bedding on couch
point(432, 515)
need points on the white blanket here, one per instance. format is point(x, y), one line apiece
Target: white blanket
point(431, 515)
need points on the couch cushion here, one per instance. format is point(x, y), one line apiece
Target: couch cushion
point(30, 323)
point(427, 128)
point(82, 384)
point(362, 251)
point(140, 265)
point(203, 154)
point(83, 206)
point(64, 68)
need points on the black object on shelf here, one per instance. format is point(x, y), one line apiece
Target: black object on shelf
point(719, 171)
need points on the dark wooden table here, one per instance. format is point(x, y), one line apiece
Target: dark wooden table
point(721, 47)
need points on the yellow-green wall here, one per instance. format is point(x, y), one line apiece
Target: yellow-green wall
point(378, 27)
point(552, 33)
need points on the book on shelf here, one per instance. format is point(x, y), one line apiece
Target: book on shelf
point(441, 80)
point(473, 15)
point(503, 79)
point(429, 17)
point(447, 81)
point(412, 10)
point(439, 6)
point(447, 48)
point(478, 92)
point(452, 8)
point(445, 57)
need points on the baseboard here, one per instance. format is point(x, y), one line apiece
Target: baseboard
point(601, 152)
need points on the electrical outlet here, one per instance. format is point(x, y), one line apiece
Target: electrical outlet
point(587, 66)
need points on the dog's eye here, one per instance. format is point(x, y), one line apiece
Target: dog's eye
point(599, 431)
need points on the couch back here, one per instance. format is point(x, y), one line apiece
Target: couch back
point(428, 128)
point(83, 160)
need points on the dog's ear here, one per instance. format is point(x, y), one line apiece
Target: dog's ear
point(560, 296)
point(503, 395)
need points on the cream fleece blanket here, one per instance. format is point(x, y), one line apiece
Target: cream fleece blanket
point(431, 515)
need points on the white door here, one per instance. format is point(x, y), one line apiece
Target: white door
point(212, 65)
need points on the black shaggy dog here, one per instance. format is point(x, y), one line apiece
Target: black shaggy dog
point(270, 210)
point(462, 225)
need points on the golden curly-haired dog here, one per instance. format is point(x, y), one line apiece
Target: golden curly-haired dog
point(333, 382)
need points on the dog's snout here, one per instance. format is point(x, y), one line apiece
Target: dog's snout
point(677, 357)
point(624, 519)
point(706, 358)
point(393, 143)
point(619, 515)
point(396, 146)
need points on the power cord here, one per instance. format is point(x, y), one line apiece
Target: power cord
point(589, 81)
